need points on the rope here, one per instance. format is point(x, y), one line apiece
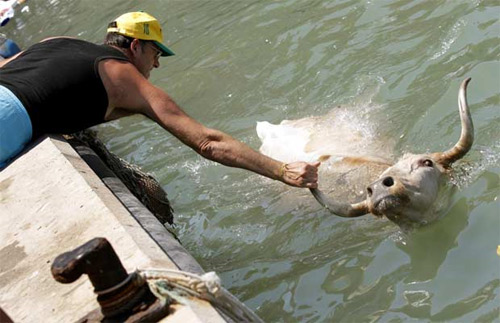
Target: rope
point(175, 284)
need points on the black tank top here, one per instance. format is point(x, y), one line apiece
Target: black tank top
point(58, 83)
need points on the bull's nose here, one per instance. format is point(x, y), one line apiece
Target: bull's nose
point(384, 183)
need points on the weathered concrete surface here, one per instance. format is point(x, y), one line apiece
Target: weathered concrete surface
point(50, 203)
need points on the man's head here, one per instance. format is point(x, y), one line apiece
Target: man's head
point(140, 35)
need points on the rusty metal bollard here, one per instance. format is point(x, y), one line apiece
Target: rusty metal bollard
point(122, 297)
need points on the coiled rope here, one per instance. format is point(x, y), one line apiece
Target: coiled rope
point(175, 284)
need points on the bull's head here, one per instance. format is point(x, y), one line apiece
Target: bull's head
point(406, 191)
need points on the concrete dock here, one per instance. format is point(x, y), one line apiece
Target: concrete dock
point(51, 202)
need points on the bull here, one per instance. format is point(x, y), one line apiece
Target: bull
point(406, 192)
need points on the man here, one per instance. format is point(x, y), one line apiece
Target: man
point(63, 85)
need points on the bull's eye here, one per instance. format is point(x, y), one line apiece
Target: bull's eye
point(428, 163)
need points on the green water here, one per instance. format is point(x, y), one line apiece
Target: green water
point(396, 63)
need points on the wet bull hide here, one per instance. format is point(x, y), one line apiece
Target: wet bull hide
point(361, 177)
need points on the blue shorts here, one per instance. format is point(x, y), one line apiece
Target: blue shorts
point(15, 126)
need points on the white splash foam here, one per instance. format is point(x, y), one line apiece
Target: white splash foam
point(467, 172)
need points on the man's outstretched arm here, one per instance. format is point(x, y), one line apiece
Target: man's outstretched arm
point(130, 91)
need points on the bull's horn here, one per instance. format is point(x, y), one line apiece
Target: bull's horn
point(341, 209)
point(466, 137)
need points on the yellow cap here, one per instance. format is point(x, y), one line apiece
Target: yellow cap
point(140, 25)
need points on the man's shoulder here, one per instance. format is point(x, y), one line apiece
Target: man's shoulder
point(58, 37)
point(62, 42)
point(80, 46)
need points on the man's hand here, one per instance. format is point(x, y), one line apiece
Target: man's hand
point(300, 174)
